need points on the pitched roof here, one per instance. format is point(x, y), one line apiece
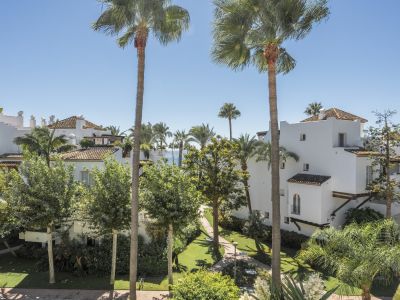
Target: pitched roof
point(13, 156)
point(91, 154)
point(361, 152)
point(309, 179)
point(337, 114)
point(9, 164)
point(70, 123)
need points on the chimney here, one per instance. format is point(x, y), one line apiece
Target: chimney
point(321, 114)
point(80, 122)
point(51, 119)
point(44, 122)
point(32, 123)
point(20, 119)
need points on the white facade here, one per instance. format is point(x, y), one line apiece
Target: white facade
point(332, 171)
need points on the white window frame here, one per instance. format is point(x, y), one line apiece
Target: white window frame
point(344, 139)
point(303, 137)
point(296, 204)
point(282, 192)
point(306, 167)
point(286, 220)
point(282, 165)
point(85, 177)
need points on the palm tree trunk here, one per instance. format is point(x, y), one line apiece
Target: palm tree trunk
point(388, 185)
point(52, 278)
point(180, 154)
point(215, 227)
point(140, 43)
point(114, 256)
point(230, 129)
point(246, 187)
point(366, 294)
point(170, 249)
point(271, 53)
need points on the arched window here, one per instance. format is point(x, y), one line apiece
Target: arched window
point(296, 204)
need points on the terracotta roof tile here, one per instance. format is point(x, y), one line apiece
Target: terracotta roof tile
point(70, 123)
point(337, 114)
point(92, 153)
point(309, 179)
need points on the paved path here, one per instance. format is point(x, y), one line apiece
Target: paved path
point(59, 294)
point(229, 255)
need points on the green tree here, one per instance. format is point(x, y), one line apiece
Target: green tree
point(313, 109)
point(230, 112)
point(161, 133)
point(42, 197)
point(108, 207)
point(384, 140)
point(115, 130)
point(253, 32)
point(86, 143)
point(126, 146)
point(362, 215)
point(358, 254)
point(44, 143)
point(202, 134)
point(182, 139)
point(169, 197)
point(133, 21)
point(246, 149)
point(205, 285)
point(221, 181)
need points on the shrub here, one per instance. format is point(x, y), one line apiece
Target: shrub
point(361, 216)
point(231, 223)
point(86, 143)
point(254, 227)
point(292, 239)
point(205, 285)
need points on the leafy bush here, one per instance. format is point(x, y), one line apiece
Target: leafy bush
point(205, 285)
point(81, 260)
point(254, 227)
point(231, 223)
point(292, 239)
point(361, 216)
point(86, 143)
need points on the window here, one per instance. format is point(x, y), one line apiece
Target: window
point(342, 139)
point(85, 177)
point(266, 215)
point(283, 165)
point(398, 168)
point(296, 204)
point(286, 220)
point(369, 175)
point(303, 137)
point(282, 192)
point(90, 242)
point(306, 167)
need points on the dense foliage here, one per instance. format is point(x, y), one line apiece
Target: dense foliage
point(205, 285)
point(362, 215)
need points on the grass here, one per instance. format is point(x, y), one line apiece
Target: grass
point(293, 266)
point(20, 273)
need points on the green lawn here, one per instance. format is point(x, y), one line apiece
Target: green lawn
point(18, 272)
point(291, 265)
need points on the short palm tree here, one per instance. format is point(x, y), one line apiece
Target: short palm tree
point(357, 254)
point(253, 32)
point(44, 142)
point(147, 139)
point(313, 109)
point(202, 134)
point(230, 112)
point(182, 139)
point(264, 154)
point(133, 21)
point(161, 133)
point(246, 149)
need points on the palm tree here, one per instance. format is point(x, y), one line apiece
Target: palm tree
point(264, 153)
point(44, 143)
point(313, 109)
point(357, 254)
point(161, 133)
point(115, 130)
point(202, 134)
point(134, 20)
point(230, 112)
point(182, 139)
point(246, 149)
point(253, 32)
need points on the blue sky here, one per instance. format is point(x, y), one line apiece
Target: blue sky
point(51, 62)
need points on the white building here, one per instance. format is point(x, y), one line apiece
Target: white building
point(330, 177)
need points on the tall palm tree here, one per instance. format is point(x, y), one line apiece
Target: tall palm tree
point(253, 32)
point(246, 149)
point(133, 21)
point(161, 133)
point(115, 130)
point(313, 109)
point(182, 139)
point(230, 112)
point(202, 134)
point(44, 142)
